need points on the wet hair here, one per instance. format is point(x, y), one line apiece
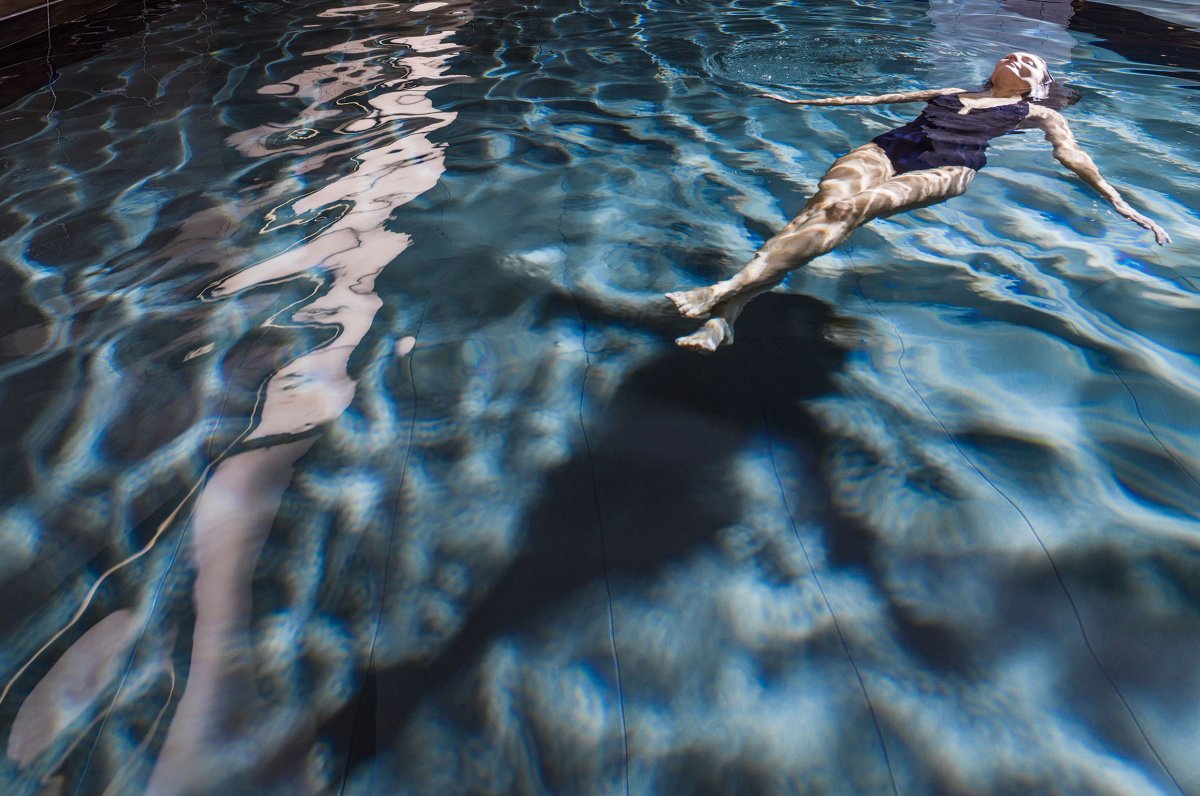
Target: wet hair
point(1049, 92)
point(1056, 96)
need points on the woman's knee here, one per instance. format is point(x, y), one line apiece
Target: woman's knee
point(843, 210)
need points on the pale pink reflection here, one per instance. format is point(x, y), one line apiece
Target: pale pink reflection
point(71, 685)
point(238, 504)
point(222, 731)
point(315, 388)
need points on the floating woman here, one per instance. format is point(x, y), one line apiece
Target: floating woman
point(928, 160)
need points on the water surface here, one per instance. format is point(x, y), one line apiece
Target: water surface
point(347, 447)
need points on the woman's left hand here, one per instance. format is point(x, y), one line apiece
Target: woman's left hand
point(1160, 235)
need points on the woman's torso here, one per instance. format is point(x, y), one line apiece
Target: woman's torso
point(950, 133)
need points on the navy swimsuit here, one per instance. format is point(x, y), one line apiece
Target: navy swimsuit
point(942, 136)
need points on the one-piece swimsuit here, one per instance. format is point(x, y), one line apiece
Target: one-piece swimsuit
point(944, 136)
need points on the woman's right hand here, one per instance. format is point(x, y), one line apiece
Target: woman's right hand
point(868, 99)
point(781, 99)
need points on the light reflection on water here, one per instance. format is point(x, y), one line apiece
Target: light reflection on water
point(348, 444)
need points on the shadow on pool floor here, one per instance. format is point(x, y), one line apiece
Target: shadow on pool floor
point(653, 488)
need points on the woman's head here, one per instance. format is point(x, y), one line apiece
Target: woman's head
point(1028, 74)
point(1022, 71)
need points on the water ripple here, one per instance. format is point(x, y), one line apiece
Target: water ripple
point(346, 439)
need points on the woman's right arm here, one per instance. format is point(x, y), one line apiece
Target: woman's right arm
point(879, 99)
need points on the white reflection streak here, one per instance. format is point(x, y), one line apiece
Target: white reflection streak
point(222, 730)
point(238, 505)
point(315, 388)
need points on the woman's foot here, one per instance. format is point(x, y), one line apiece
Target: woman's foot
point(715, 333)
point(697, 303)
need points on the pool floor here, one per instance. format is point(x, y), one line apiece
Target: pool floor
point(348, 448)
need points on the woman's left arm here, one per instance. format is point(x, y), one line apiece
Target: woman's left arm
point(1068, 153)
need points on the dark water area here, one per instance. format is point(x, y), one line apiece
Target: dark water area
point(348, 449)
point(1140, 37)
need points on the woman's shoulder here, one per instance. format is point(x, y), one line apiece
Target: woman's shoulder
point(1046, 119)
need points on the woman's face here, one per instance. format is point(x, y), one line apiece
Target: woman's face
point(1017, 70)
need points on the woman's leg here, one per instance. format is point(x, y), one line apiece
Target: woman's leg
point(813, 233)
point(852, 173)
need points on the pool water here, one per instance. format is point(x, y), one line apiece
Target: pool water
point(347, 448)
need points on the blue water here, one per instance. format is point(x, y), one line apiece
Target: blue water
point(347, 448)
